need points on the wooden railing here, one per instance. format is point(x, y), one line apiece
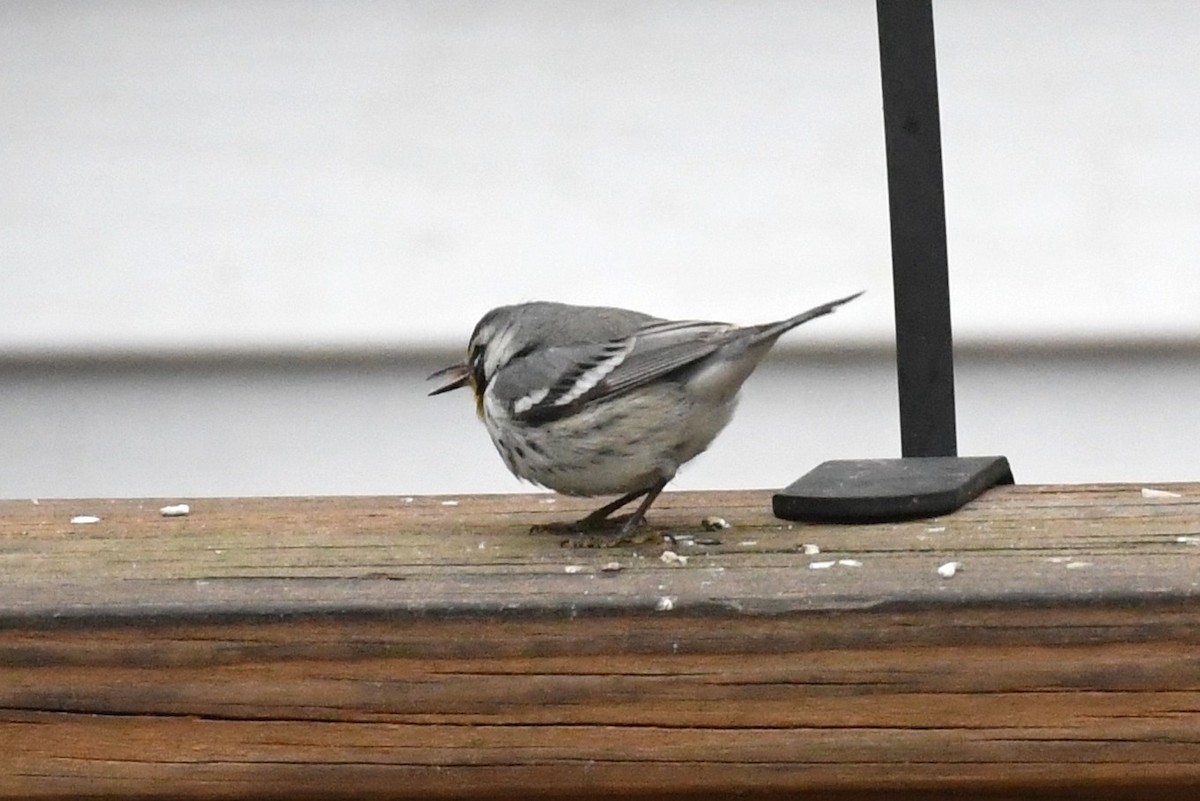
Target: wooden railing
point(434, 648)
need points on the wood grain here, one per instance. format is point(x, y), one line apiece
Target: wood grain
point(387, 648)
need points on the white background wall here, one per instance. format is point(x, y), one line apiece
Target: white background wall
point(248, 175)
point(184, 178)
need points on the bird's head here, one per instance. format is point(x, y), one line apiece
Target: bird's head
point(490, 348)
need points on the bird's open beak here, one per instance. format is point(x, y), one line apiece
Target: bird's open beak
point(456, 375)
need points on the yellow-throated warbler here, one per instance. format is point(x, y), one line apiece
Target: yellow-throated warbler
point(590, 400)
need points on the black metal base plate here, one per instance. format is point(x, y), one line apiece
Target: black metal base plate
point(886, 490)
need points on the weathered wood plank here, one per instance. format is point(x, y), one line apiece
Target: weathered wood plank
point(380, 647)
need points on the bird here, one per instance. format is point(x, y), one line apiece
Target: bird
point(592, 401)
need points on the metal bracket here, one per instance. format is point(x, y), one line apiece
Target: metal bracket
point(883, 490)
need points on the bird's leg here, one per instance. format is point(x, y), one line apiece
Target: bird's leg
point(599, 517)
point(596, 520)
point(639, 516)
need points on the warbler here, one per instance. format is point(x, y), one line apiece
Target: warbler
point(594, 400)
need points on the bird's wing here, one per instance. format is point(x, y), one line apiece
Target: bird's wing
point(661, 349)
point(566, 377)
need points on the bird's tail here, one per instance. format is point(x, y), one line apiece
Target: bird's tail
point(772, 331)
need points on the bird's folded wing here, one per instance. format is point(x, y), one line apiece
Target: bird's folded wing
point(552, 383)
point(661, 350)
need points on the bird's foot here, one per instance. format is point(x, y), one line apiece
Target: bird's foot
point(586, 524)
point(608, 532)
point(639, 536)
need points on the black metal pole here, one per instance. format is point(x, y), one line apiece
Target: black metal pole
point(884, 490)
point(912, 129)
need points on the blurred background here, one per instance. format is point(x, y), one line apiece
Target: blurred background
point(236, 236)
